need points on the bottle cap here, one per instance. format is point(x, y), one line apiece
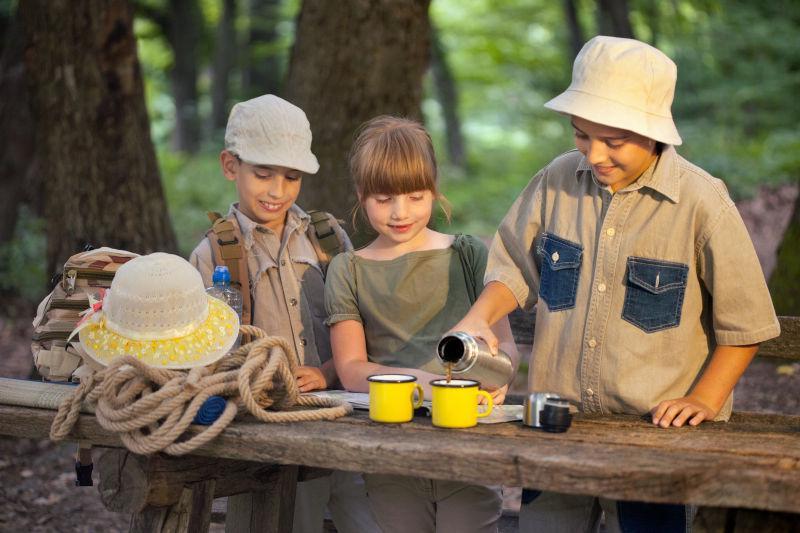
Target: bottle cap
point(221, 274)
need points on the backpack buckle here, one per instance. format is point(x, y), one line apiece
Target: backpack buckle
point(226, 243)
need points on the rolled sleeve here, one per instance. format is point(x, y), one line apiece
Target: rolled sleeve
point(512, 260)
point(742, 307)
point(202, 259)
point(341, 302)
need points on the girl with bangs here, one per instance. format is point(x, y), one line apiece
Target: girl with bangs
point(390, 302)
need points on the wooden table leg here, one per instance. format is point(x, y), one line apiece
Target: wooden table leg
point(192, 512)
point(270, 510)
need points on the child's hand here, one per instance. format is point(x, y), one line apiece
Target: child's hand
point(310, 378)
point(677, 412)
point(499, 395)
point(479, 329)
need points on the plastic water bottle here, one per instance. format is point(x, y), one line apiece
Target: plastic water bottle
point(223, 290)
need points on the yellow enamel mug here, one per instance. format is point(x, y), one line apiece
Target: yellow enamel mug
point(391, 397)
point(455, 403)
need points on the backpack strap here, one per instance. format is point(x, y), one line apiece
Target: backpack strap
point(466, 256)
point(225, 237)
point(327, 242)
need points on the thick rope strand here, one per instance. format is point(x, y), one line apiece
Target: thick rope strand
point(152, 409)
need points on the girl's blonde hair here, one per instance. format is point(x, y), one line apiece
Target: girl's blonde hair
point(393, 155)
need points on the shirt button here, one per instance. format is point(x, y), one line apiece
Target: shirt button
point(554, 257)
point(610, 232)
point(592, 343)
point(589, 392)
point(303, 341)
point(283, 262)
point(292, 301)
point(601, 287)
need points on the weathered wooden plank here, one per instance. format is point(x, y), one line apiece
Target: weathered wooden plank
point(787, 346)
point(129, 482)
point(190, 514)
point(618, 457)
point(270, 510)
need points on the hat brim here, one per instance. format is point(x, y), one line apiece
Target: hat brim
point(208, 343)
point(617, 115)
point(306, 163)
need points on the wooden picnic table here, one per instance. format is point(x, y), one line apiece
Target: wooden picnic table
point(751, 462)
point(747, 469)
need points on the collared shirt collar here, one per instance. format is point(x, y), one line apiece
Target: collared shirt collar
point(295, 218)
point(661, 176)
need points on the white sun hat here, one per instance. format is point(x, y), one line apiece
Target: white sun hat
point(622, 83)
point(270, 131)
point(157, 310)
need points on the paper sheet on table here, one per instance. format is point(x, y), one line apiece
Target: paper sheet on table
point(360, 400)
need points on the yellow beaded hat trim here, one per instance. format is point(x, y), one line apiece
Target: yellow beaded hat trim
point(216, 334)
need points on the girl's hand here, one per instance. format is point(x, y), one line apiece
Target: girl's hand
point(499, 395)
point(676, 412)
point(310, 378)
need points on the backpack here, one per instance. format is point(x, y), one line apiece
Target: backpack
point(84, 274)
point(225, 237)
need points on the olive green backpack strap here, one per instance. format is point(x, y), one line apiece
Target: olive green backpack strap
point(466, 256)
point(327, 242)
point(225, 237)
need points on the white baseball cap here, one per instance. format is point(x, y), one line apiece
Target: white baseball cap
point(270, 131)
point(622, 83)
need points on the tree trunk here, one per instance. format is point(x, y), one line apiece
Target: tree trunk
point(17, 132)
point(102, 184)
point(576, 38)
point(447, 95)
point(351, 61)
point(184, 35)
point(261, 71)
point(783, 283)
point(224, 58)
point(613, 19)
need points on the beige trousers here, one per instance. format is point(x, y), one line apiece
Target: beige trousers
point(345, 497)
point(403, 504)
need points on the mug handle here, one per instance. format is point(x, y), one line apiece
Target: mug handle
point(420, 396)
point(489, 404)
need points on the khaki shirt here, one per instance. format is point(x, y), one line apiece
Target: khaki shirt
point(632, 290)
point(287, 286)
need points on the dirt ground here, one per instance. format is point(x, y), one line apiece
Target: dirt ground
point(37, 492)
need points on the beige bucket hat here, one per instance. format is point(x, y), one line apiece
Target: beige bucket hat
point(270, 131)
point(157, 310)
point(623, 83)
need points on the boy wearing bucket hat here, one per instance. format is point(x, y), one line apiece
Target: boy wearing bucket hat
point(267, 153)
point(649, 297)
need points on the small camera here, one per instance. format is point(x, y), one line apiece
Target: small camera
point(547, 411)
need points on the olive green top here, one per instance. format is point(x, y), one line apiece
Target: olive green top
point(406, 304)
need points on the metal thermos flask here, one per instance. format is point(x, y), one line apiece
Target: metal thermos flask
point(471, 359)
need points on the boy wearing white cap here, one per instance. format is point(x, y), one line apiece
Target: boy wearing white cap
point(267, 153)
point(649, 296)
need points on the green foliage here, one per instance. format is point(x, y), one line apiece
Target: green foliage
point(22, 259)
point(783, 284)
point(193, 186)
point(739, 74)
point(739, 71)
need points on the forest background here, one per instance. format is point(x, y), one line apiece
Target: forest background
point(486, 69)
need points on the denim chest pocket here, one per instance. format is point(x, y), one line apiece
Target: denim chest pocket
point(654, 293)
point(561, 265)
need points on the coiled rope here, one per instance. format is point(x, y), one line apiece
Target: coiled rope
point(152, 408)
